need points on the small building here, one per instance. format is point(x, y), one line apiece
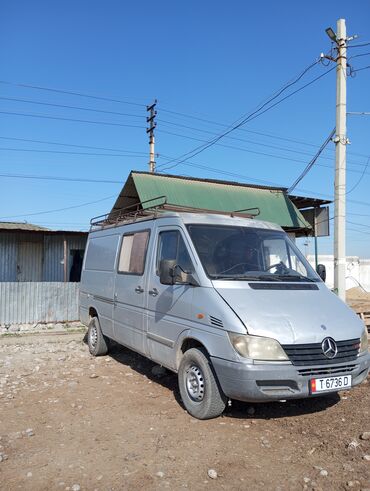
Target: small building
point(295, 214)
point(33, 253)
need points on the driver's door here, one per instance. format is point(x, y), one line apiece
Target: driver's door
point(169, 307)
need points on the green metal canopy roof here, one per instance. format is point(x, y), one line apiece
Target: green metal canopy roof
point(273, 203)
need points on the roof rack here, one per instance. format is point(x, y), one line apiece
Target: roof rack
point(144, 210)
point(129, 213)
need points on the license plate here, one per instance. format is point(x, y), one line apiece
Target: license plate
point(330, 383)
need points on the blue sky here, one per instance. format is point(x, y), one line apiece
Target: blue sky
point(210, 60)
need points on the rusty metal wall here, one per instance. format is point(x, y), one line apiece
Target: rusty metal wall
point(31, 302)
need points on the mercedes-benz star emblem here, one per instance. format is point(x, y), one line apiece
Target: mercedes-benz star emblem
point(329, 348)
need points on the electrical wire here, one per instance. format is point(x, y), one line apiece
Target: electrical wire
point(254, 152)
point(252, 116)
point(311, 164)
point(244, 130)
point(59, 209)
point(362, 68)
point(72, 153)
point(285, 149)
point(69, 145)
point(68, 92)
point(44, 116)
point(360, 179)
point(238, 123)
point(59, 178)
point(64, 106)
point(358, 45)
point(359, 55)
point(270, 183)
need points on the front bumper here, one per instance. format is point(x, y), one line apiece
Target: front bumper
point(262, 382)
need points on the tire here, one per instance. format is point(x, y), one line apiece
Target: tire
point(199, 388)
point(98, 344)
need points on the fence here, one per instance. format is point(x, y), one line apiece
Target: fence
point(357, 271)
point(31, 302)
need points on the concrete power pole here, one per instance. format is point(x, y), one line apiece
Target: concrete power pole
point(340, 164)
point(152, 124)
point(340, 39)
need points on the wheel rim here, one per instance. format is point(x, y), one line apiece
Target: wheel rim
point(195, 383)
point(93, 336)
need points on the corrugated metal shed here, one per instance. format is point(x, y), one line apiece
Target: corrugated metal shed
point(15, 226)
point(31, 302)
point(37, 255)
point(273, 203)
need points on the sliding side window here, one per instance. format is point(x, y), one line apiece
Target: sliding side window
point(133, 253)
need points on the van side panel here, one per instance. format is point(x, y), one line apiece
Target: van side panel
point(97, 281)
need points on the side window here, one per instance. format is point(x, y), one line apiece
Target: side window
point(172, 246)
point(275, 252)
point(133, 252)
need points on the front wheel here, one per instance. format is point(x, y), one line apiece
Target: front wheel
point(95, 339)
point(199, 388)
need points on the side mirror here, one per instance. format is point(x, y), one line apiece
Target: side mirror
point(187, 278)
point(321, 271)
point(170, 274)
point(167, 271)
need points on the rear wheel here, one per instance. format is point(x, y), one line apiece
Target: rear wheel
point(98, 344)
point(199, 388)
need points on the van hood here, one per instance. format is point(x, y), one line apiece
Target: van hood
point(291, 316)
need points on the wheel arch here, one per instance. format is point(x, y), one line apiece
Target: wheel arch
point(187, 341)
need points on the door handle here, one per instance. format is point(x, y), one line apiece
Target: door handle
point(138, 289)
point(154, 292)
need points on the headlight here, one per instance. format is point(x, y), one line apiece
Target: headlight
point(364, 343)
point(257, 348)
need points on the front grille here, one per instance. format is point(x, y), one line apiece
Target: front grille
point(312, 354)
point(326, 371)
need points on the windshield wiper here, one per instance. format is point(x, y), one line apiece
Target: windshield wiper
point(262, 277)
point(299, 277)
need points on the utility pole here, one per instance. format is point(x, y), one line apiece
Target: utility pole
point(152, 124)
point(340, 140)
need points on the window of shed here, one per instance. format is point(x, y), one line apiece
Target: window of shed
point(133, 252)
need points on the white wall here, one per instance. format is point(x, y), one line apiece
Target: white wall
point(357, 271)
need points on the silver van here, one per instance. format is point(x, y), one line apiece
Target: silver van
point(228, 303)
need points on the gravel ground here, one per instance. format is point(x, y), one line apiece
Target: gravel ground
point(72, 422)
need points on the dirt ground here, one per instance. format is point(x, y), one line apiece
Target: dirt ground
point(69, 421)
point(358, 299)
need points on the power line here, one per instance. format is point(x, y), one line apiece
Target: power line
point(265, 154)
point(244, 130)
point(69, 145)
point(63, 106)
point(71, 153)
point(359, 55)
point(252, 116)
point(79, 94)
point(311, 164)
point(44, 116)
point(361, 177)
point(360, 224)
point(285, 149)
point(59, 178)
point(358, 45)
point(244, 119)
point(59, 209)
point(360, 69)
point(266, 182)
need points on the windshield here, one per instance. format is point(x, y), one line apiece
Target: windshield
point(230, 252)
